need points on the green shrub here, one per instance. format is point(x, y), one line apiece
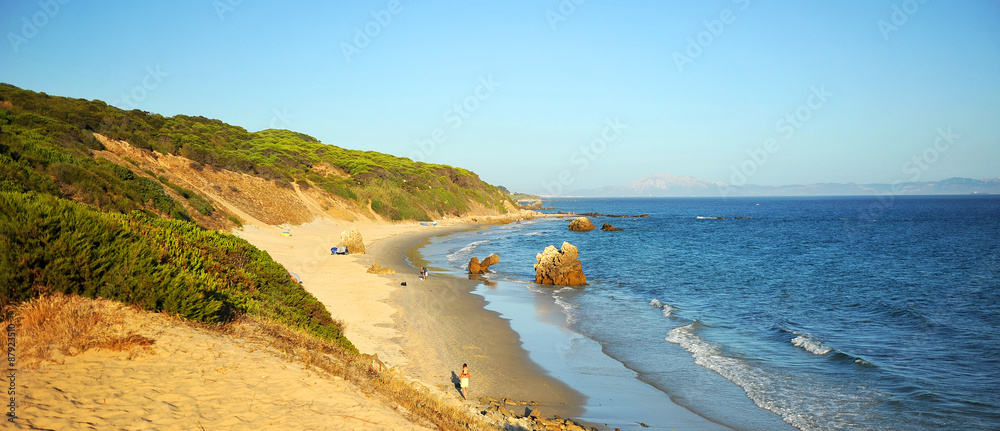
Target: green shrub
point(54, 245)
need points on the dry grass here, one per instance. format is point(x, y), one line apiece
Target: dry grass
point(69, 325)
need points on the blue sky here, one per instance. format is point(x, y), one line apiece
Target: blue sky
point(555, 96)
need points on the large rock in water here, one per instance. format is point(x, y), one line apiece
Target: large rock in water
point(477, 267)
point(560, 266)
point(582, 224)
point(351, 238)
point(608, 227)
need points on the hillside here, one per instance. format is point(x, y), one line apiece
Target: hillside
point(101, 202)
point(97, 202)
point(215, 174)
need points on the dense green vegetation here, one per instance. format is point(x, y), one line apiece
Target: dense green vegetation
point(56, 245)
point(46, 144)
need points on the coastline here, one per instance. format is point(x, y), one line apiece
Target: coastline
point(443, 324)
point(427, 329)
point(614, 396)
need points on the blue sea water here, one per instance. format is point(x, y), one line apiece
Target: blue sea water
point(821, 313)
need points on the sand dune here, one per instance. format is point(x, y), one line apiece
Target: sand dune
point(192, 379)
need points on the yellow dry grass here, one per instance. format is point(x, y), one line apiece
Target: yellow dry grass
point(67, 325)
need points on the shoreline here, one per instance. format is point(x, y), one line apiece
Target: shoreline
point(427, 329)
point(442, 315)
point(615, 396)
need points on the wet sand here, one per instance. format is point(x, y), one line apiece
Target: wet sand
point(442, 325)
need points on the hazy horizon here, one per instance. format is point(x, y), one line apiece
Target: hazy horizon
point(553, 97)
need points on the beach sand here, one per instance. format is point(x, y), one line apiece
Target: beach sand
point(427, 329)
point(190, 378)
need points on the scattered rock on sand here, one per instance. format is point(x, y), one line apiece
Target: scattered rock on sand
point(378, 269)
point(477, 267)
point(610, 228)
point(351, 238)
point(560, 267)
point(581, 224)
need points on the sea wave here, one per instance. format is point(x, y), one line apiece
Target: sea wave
point(568, 309)
point(463, 254)
point(810, 345)
point(755, 382)
point(668, 309)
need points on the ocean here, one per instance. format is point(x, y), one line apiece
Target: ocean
point(810, 313)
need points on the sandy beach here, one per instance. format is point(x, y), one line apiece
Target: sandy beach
point(190, 378)
point(427, 329)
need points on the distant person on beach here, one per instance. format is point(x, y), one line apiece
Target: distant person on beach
point(464, 379)
point(423, 273)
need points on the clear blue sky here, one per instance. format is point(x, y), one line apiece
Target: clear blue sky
point(842, 97)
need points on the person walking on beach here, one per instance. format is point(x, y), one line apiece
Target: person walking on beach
point(464, 379)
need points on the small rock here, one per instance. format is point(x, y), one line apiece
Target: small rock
point(477, 267)
point(609, 227)
point(378, 269)
point(581, 224)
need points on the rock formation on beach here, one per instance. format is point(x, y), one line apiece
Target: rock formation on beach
point(477, 267)
point(609, 227)
point(581, 224)
point(560, 266)
point(351, 238)
point(378, 269)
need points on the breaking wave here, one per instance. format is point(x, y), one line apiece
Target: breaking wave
point(812, 346)
point(461, 256)
point(668, 309)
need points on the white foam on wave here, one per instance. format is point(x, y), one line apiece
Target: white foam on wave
point(755, 382)
point(464, 253)
point(568, 309)
point(808, 344)
point(536, 233)
point(668, 309)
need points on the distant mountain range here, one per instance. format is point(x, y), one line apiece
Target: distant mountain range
point(666, 185)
